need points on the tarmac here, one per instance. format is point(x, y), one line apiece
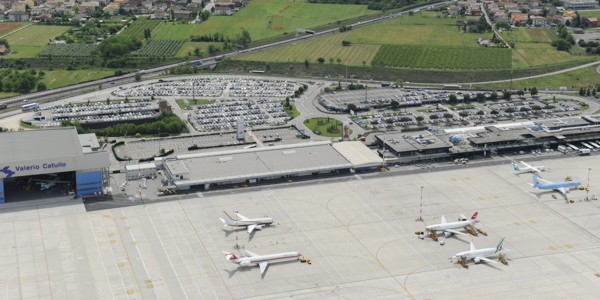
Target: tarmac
point(359, 234)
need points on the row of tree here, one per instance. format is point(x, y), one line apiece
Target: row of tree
point(166, 123)
point(21, 81)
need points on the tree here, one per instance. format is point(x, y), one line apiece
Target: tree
point(5, 43)
point(394, 104)
point(138, 76)
point(287, 102)
point(320, 60)
point(494, 96)
point(351, 107)
point(521, 92)
point(306, 64)
point(452, 99)
point(419, 119)
point(467, 98)
point(480, 97)
point(533, 91)
point(506, 95)
point(331, 60)
point(197, 52)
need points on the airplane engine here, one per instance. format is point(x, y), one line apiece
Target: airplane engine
point(476, 260)
point(447, 234)
point(245, 263)
point(258, 227)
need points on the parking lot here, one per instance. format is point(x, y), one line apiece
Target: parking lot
point(212, 87)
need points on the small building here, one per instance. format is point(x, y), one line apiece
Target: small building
point(580, 4)
point(518, 19)
point(139, 171)
point(3, 50)
point(538, 21)
point(591, 22)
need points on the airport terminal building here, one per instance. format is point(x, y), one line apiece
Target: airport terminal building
point(38, 164)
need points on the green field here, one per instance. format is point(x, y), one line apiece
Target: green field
point(442, 57)
point(590, 13)
point(528, 35)
point(424, 41)
point(59, 78)
point(586, 78)
point(19, 51)
point(326, 47)
point(7, 94)
point(527, 55)
point(187, 50)
point(265, 19)
point(417, 35)
point(36, 35)
point(136, 29)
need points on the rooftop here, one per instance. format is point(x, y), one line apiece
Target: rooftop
point(39, 144)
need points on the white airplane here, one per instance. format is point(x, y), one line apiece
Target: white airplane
point(261, 260)
point(450, 228)
point(527, 168)
point(478, 255)
point(561, 187)
point(46, 184)
point(250, 224)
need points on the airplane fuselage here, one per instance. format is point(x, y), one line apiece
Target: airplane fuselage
point(258, 221)
point(530, 170)
point(249, 260)
point(558, 185)
point(452, 225)
point(477, 253)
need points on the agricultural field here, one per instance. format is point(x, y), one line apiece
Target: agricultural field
point(329, 47)
point(416, 30)
point(19, 51)
point(582, 78)
point(589, 13)
point(529, 35)
point(136, 29)
point(36, 35)
point(442, 57)
point(59, 78)
point(266, 19)
point(68, 50)
point(158, 48)
point(528, 55)
point(6, 28)
point(188, 48)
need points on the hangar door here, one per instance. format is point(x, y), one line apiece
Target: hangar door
point(89, 183)
point(2, 191)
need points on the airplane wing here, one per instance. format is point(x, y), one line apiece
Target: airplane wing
point(263, 266)
point(455, 231)
point(250, 228)
point(487, 260)
point(443, 219)
point(562, 190)
point(240, 216)
point(250, 253)
point(526, 164)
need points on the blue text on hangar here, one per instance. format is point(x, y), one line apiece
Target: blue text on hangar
point(44, 166)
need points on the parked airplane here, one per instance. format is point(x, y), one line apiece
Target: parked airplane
point(46, 184)
point(478, 255)
point(261, 260)
point(449, 228)
point(250, 224)
point(561, 187)
point(527, 168)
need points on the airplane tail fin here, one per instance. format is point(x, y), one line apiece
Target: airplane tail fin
point(474, 216)
point(516, 167)
point(229, 256)
point(499, 246)
point(227, 221)
point(536, 181)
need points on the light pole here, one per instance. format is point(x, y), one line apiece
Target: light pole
point(420, 218)
point(587, 190)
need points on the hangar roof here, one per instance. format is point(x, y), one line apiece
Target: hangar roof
point(39, 144)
